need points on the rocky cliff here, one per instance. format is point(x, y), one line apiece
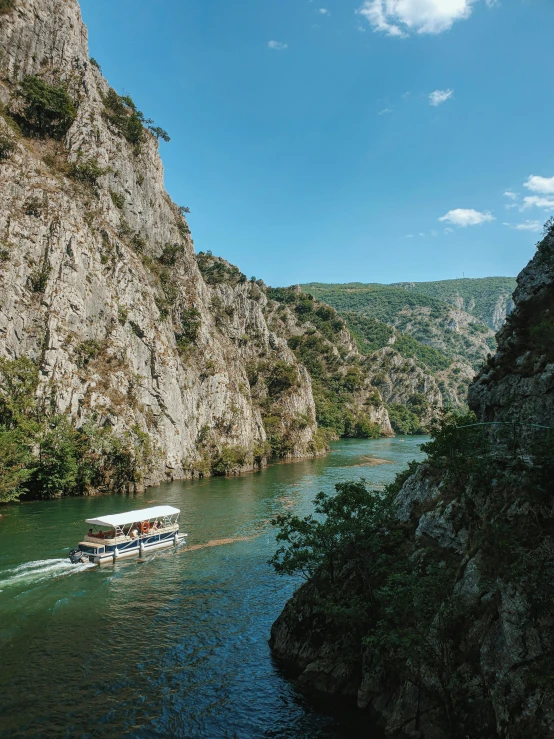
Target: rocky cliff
point(100, 284)
point(435, 610)
point(101, 287)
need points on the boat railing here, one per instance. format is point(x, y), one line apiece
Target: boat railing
point(123, 538)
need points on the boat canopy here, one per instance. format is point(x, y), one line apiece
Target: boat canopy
point(120, 519)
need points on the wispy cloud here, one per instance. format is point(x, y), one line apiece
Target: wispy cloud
point(403, 17)
point(385, 111)
point(277, 45)
point(525, 226)
point(538, 201)
point(324, 11)
point(466, 217)
point(510, 194)
point(439, 96)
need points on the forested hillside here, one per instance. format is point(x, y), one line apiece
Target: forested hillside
point(487, 298)
point(447, 327)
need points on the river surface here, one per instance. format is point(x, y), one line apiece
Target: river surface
point(174, 645)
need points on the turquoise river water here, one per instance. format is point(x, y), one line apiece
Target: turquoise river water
point(174, 645)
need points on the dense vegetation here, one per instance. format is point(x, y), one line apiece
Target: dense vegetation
point(428, 319)
point(48, 110)
point(125, 117)
point(43, 455)
point(337, 379)
point(480, 295)
point(377, 593)
point(372, 334)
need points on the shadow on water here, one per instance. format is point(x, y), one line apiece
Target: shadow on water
point(174, 645)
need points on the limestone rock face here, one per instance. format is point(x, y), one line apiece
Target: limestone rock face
point(99, 279)
point(504, 632)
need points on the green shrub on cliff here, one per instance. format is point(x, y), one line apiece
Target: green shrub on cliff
point(7, 145)
point(124, 116)
point(42, 454)
point(6, 6)
point(48, 109)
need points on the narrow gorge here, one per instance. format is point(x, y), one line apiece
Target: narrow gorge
point(177, 366)
point(431, 604)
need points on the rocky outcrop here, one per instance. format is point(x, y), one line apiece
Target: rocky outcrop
point(100, 283)
point(480, 509)
point(99, 280)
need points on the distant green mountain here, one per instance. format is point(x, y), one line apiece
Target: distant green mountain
point(455, 318)
point(485, 298)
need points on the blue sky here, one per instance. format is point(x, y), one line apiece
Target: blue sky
point(306, 142)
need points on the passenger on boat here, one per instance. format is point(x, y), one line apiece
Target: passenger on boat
point(133, 533)
point(90, 533)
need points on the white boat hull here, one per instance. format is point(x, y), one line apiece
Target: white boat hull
point(139, 548)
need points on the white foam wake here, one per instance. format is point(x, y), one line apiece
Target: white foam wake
point(40, 569)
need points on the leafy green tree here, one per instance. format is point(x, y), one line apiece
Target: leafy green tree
point(16, 464)
point(49, 110)
point(57, 469)
point(18, 382)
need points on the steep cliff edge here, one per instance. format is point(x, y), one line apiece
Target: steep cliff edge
point(101, 289)
point(434, 609)
point(100, 284)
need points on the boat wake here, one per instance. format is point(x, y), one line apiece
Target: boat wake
point(219, 542)
point(41, 569)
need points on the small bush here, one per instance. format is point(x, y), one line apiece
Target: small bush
point(229, 460)
point(33, 207)
point(170, 253)
point(282, 376)
point(7, 146)
point(138, 242)
point(122, 315)
point(190, 322)
point(48, 111)
point(88, 172)
point(122, 113)
point(95, 64)
point(6, 6)
point(88, 351)
point(117, 199)
point(39, 279)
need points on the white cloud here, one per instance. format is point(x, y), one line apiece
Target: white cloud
point(536, 200)
point(510, 194)
point(542, 185)
point(402, 17)
point(384, 111)
point(439, 96)
point(409, 236)
point(324, 11)
point(421, 234)
point(525, 226)
point(448, 230)
point(466, 217)
point(277, 45)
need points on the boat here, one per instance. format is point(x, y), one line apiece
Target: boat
point(129, 534)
